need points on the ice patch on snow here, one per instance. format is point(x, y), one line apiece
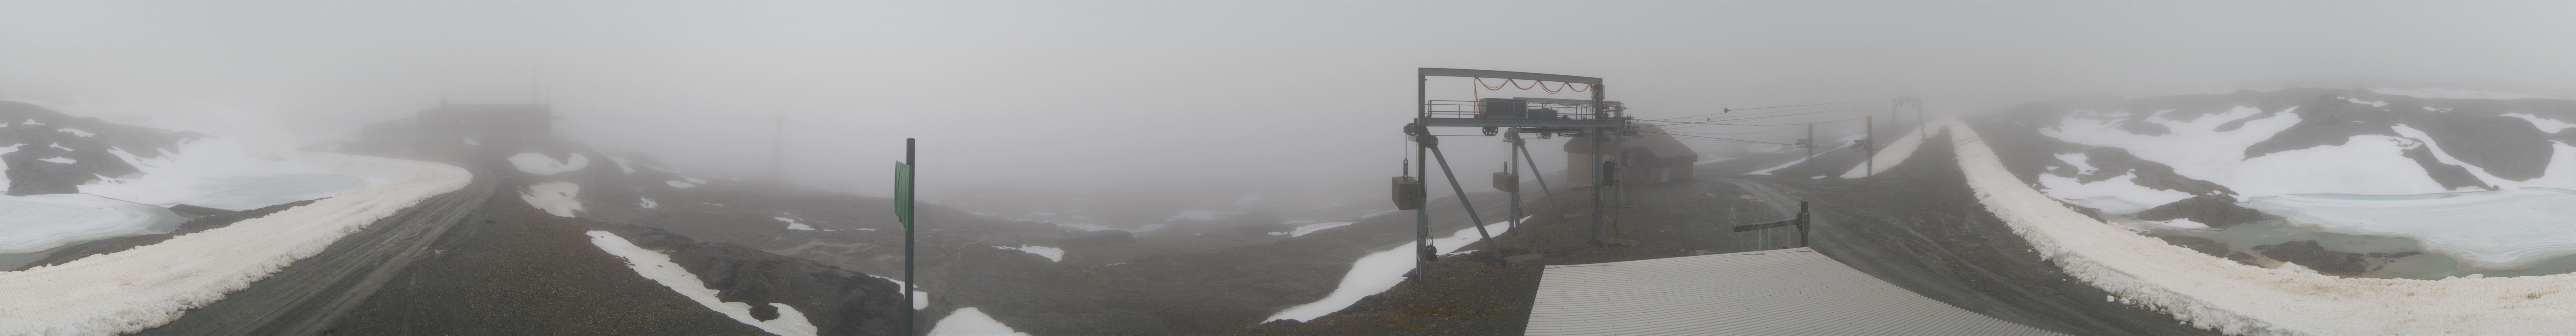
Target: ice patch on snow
point(540, 164)
point(657, 266)
point(35, 223)
point(2553, 126)
point(78, 132)
point(1310, 228)
point(1054, 254)
point(151, 285)
point(2485, 230)
point(223, 174)
point(1378, 272)
point(557, 198)
point(969, 321)
point(793, 225)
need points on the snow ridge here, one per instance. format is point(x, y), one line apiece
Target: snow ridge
point(151, 285)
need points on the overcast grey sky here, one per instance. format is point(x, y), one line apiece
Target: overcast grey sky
point(1190, 95)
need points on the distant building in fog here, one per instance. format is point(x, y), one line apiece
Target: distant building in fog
point(465, 124)
point(1649, 157)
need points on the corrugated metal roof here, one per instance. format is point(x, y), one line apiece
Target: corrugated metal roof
point(1777, 292)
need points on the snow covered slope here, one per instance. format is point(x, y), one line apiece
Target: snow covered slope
point(2189, 166)
point(150, 285)
point(72, 179)
point(2236, 298)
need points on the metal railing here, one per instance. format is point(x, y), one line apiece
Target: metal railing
point(1476, 109)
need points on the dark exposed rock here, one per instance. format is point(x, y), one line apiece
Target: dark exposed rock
point(2214, 210)
point(2308, 254)
point(2197, 244)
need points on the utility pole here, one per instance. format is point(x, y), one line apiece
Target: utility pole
point(1812, 168)
point(1869, 142)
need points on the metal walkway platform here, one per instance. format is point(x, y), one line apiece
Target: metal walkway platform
point(1776, 292)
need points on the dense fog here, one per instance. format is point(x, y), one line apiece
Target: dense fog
point(1187, 100)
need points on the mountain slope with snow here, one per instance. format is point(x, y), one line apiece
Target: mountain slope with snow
point(2190, 166)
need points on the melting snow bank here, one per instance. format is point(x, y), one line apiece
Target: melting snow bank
point(557, 198)
point(1378, 272)
point(1055, 254)
point(1310, 228)
point(540, 164)
point(658, 266)
point(151, 285)
point(920, 299)
point(35, 223)
point(970, 321)
point(2209, 292)
point(2486, 230)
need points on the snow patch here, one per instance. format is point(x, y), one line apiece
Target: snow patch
point(1310, 228)
point(1378, 272)
point(557, 198)
point(1054, 254)
point(678, 184)
point(2371, 103)
point(2118, 195)
point(1767, 171)
point(540, 164)
point(2365, 164)
point(59, 159)
point(657, 266)
point(647, 203)
point(970, 321)
point(920, 299)
point(78, 132)
point(793, 225)
point(2553, 126)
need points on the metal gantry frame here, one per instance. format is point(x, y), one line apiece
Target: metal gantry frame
point(1605, 124)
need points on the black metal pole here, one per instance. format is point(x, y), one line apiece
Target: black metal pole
point(907, 244)
point(1803, 219)
point(1541, 175)
point(1472, 219)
